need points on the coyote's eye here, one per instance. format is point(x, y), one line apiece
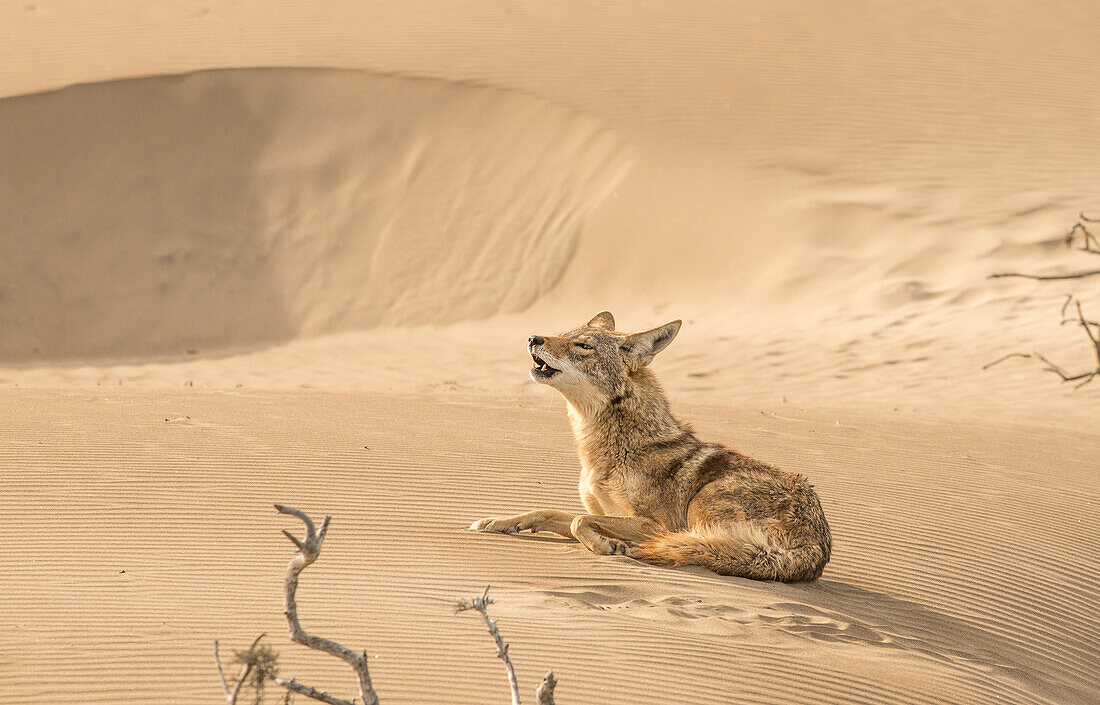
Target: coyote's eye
point(583, 346)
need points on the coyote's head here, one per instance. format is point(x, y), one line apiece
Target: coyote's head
point(594, 365)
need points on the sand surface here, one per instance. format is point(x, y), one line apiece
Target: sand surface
point(290, 252)
point(963, 569)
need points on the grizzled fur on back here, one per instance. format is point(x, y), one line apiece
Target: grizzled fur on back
point(655, 491)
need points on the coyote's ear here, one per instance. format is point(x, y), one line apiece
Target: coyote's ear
point(641, 347)
point(604, 320)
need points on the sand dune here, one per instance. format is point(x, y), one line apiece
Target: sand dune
point(290, 253)
point(827, 155)
point(237, 208)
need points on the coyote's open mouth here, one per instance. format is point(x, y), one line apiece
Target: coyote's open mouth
point(541, 369)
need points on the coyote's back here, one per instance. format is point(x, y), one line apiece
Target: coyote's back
point(750, 520)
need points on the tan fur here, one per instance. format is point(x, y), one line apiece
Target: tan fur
point(653, 490)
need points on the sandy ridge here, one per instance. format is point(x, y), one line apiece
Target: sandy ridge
point(235, 208)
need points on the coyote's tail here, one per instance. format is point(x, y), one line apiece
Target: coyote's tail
point(742, 549)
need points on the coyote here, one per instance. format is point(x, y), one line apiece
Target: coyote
point(653, 490)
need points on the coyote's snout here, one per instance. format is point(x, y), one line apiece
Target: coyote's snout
point(653, 490)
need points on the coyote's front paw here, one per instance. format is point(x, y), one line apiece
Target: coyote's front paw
point(503, 526)
point(619, 548)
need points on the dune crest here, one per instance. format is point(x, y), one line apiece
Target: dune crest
point(243, 207)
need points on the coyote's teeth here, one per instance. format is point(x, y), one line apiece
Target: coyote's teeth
point(540, 365)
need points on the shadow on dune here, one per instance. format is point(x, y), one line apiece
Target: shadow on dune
point(831, 611)
point(239, 208)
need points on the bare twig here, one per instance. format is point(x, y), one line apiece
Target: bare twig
point(481, 604)
point(545, 692)
point(999, 360)
point(1091, 244)
point(242, 676)
point(308, 550)
point(261, 663)
point(1083, 378)
point(246, 669)
point(1087, 325)
point(221, 672)
point(1046, 277)
point(1065, 305)
point(294, 686)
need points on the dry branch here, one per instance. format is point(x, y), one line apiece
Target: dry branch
point(1089, 244)
point(481, 604)
point(1084, 377)
point(242, 676)
point(1046, 277)
point(1009, 356)
point(260, 663)
point(545, 692)
point(296, 687)
point(221, 674)
point(308, 550)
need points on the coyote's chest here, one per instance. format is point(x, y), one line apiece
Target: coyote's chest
point(604, 492)
point(607, 486)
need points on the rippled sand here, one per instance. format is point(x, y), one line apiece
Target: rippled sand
point(290, 253)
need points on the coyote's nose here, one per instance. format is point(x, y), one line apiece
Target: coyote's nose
point(535, 340)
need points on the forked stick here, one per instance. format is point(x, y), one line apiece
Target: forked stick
point(308, 550)
point(1083, 378)
point(481, 604)
point(1090, 244)
point(242, 676)
point(544, 693)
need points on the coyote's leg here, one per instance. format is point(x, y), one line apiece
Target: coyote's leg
point(612, 535)
point(538, 520)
